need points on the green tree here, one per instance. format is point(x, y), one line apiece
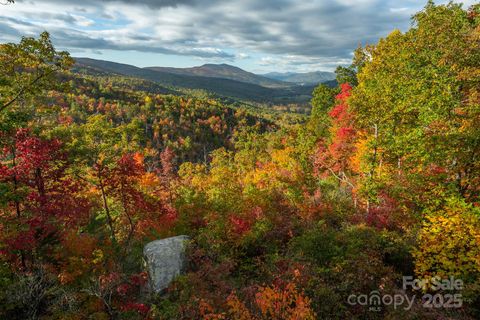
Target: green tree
point(416, 103)
point(323, 98)
point(96, 147)
point(346, 75)
point(29, 68)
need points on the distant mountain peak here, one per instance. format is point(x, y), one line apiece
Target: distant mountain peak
point(314, 77)
point(218, 64)
point(224, 71)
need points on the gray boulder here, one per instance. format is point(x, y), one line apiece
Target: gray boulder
point(165, 260)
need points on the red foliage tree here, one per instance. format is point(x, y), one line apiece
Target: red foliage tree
point(142, 210)
point(333, 158)
point(42, 201)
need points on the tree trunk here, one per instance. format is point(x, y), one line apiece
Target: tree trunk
point(105, 206)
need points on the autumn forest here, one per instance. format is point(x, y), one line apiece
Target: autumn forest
point(292, 211)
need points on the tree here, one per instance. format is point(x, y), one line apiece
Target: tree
point(417, 103)
point(40, 200)
point(333, 158)
point(323, 98)
point(29, 68)
point(449, 241)
point(96, 146)
point(140, 207)
point(346, 75)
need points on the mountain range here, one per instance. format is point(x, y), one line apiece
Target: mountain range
point(225, 71)
point(315, 77)
point(221, 79)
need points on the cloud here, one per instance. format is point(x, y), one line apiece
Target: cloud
point(290, 34)
point(242, 55)
point(82, 40)
point(154, 4)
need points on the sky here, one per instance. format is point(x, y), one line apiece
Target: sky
point(256, 35)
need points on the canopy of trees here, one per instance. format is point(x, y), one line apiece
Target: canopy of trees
point(287, 218)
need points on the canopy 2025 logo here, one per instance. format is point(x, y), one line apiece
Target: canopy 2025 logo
point(435, 293)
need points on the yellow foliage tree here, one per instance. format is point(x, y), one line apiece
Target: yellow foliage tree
point(449, 241)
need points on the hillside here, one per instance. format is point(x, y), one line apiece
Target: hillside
point(227, 88)
point(225, 71)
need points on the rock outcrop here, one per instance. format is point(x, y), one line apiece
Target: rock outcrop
point(165, 260)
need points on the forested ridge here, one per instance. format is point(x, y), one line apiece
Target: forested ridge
point(251, 88)
point(288, 215)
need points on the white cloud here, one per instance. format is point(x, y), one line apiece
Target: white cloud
point(284, 34)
